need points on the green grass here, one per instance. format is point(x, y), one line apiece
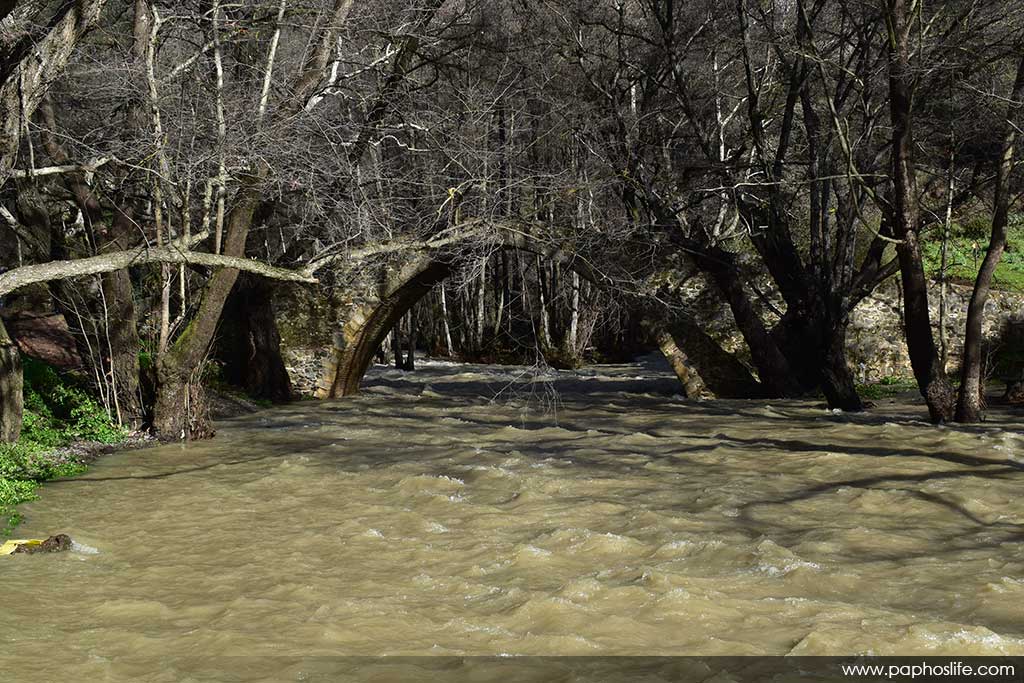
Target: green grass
point(887, 387)
point(967, 245)
point(58, 411)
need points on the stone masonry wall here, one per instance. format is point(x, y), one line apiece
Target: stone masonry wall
point(309, 319)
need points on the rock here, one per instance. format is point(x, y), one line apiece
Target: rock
point(44, 336)
point(54, 544)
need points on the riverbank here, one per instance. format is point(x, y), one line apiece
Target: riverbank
point(58, 444)
point(24, 468)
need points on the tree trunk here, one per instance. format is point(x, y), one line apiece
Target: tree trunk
point(571, 339)
point(801, 337)
point(815, 346)
point(11, 395)
point(544, 327)
point(446, 328)
point(249, 344)
point(410, 355)
point(122, 329)
point(180, 411)
point(837, 381)
point(123, 346)
point(944, 262)
point(971, 398)
point(481, 308)
point(722, 375)
point(396, 344)
point(506, 291)
point(693, 384)
point(776, 376)
point(524, 285)
point(924, 356)
point(500, 289)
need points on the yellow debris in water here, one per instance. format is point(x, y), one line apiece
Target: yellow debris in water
point(8, 547)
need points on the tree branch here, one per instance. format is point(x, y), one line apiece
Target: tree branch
point(88, 167)
point(23, 85)
point(105, 263)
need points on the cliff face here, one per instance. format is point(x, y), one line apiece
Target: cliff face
point(875, 341)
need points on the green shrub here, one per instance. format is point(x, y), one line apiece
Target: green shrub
point(13, 492)
point(24, 462)
point(975, 227)
point(58, 411)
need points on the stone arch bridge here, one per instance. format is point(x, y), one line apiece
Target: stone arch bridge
point(378, 301)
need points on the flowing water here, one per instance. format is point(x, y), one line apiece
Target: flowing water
point(472, 510)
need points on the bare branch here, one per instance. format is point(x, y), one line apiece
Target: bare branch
point(88, 167)
point(105, 263)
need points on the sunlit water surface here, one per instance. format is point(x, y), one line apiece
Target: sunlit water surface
point(475, 510)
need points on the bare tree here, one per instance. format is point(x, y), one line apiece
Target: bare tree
point(971, 392)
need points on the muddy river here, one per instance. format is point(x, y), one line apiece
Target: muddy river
point(477, 510)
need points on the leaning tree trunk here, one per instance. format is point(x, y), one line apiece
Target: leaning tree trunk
point(704, 367)
point(693, 383)
point(924, 356)
point(773, 368)
point(180, 411)
point(11, 399)
point(970, 400)
point(774, 371)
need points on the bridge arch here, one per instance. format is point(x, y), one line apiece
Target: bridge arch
point(369, 321)
point(376, 310)
point(704, 368)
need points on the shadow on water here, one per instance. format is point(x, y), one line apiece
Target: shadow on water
point(645, 398)
point(652, 391)
point(312, 446)
point(619, 402)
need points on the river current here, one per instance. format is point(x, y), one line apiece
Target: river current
point(481, 510)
